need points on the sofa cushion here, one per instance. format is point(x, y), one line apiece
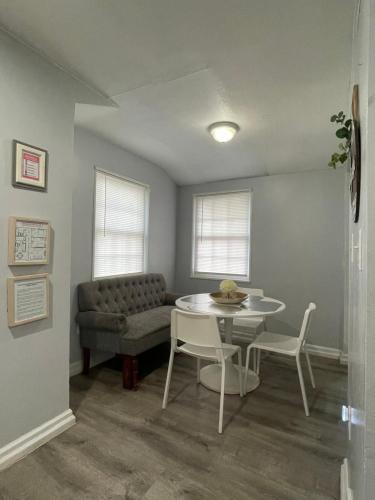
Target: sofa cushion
point(142, 324)
point(145, 330)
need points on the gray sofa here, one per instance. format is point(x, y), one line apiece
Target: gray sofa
point(127, 316)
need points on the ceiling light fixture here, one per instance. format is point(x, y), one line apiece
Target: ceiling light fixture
point(223, 131)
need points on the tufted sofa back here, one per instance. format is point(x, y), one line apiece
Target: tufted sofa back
point(127, 295)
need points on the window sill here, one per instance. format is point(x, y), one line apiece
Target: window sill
point(95, 278)
point(219, 277)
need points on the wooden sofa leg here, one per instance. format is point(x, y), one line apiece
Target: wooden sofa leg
point(129, 372)
point(135, 372)
point(86, 361)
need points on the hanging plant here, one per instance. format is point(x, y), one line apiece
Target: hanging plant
point(344, 133)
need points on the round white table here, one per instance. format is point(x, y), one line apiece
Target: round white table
point(253, 306)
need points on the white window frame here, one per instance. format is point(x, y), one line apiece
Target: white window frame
point(217, 276)
point(146, 232)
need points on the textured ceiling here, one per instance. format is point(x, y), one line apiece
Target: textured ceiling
point(278, 68)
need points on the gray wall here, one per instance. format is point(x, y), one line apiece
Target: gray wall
point(297, 247)
point(361, 291)
point(37, 107)
point(92, 151)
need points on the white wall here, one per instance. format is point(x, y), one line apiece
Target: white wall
point(297, 247)
point(92, 151)
point(361, 291)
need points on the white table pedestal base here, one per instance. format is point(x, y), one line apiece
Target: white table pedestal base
point(210, 377)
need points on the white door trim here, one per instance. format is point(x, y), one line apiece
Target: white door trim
point(346, 493)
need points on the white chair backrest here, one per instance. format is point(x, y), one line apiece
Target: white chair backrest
point(306, 323)
point(197, 329)
point(252, 291)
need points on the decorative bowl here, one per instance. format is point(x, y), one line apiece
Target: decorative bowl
point(234, 297)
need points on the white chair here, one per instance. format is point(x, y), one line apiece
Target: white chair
point(284, 344)
point(250, 326)
point(201, 337)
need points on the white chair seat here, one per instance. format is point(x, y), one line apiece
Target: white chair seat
point(283, 344)
point(253, 322)
point(208, 352)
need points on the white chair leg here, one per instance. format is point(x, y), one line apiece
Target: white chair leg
point(221, 411)
point(254, 360)
point(302, 384)
point(312, 378)
point(168, 381)
point(247, 363)
point(240, 373)
point(198, 370)
point(259, 353)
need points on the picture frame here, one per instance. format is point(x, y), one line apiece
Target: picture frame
point(28, 299)
point(28, 241)
point(30, 165)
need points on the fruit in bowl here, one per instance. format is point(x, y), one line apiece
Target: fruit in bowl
point(228, 294)
point(228, 287)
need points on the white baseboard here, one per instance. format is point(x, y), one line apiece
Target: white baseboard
point(324, 352)
point(345, 491)
point(19, 448)
point(344, 358)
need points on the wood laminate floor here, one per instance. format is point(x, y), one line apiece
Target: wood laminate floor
point(125, 447)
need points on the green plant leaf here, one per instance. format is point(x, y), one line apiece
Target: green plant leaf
point(342, 133)
point(343, 157)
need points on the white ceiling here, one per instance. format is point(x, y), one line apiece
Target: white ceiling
point(278, 68)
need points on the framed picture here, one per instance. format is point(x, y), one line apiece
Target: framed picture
point(29, 166)
point(28, 241)
point(28, 299)
point(355, 168)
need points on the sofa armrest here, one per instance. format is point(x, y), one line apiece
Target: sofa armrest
point(170, 298)
point(94, 320)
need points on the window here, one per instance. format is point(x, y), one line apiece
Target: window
point(120, 232)
point(221, 236)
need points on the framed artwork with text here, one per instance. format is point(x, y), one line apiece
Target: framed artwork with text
point(28, 299)
point(28, 241)
point(29, 166)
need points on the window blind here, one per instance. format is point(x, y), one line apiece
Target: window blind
point(221, 240)
point(120, 226)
